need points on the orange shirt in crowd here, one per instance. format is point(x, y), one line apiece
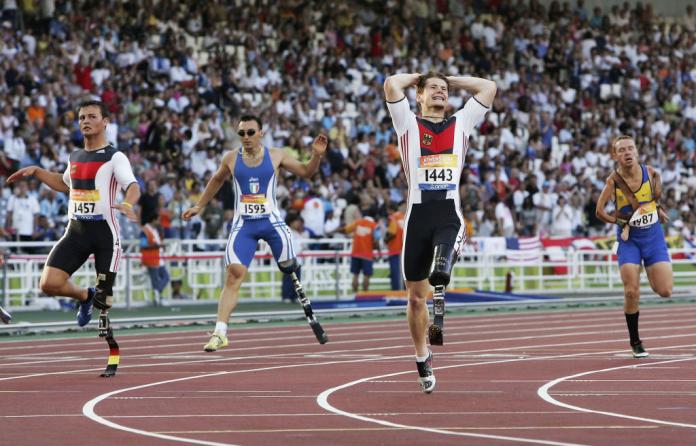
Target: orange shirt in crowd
point(151, 256)
point(396, 228)
point(36, 115)
point(363, 237)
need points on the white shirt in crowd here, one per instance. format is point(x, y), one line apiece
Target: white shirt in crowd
point(313, 215)
point(504, 217)
point(562, 222)
point(24, 210)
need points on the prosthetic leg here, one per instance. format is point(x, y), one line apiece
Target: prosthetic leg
point(290, 267)
point(5, 316)
point(443, 261)
point(103, 299)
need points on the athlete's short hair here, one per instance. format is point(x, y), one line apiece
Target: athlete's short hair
point(92, 103)
point(245, 118)
point(612, 149)
point(420, 85)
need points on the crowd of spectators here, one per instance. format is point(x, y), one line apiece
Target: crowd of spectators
point(176, 74)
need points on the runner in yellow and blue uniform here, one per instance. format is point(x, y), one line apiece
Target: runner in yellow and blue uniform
point(646, 240)
point(641, 239)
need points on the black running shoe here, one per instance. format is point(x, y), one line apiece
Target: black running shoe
point(638, 351)
point(426, 377)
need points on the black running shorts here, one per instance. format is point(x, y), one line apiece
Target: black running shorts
point(427, 225)
point(81, 239)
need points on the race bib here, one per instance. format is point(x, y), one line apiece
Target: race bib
point(437, 172)
point(645, 215)
point(83, 203)
point(255, 206)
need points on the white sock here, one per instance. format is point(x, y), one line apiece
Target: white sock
point(422, 358)
point(221, 327)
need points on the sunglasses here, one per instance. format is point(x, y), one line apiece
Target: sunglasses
point(250, 132)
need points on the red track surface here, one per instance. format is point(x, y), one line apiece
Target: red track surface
point(501, 380)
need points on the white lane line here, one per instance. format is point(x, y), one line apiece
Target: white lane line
point(373, 429)
point(323, 398)
point(389, 347)
point(240, 335)
point(88, 408)
point(543, 393)
point(290, 415)
point(372, 333)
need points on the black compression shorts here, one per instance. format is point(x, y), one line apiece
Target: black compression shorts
point(81, 239)
point(427, 225)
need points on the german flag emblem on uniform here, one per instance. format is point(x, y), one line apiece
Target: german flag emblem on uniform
point(427, 139)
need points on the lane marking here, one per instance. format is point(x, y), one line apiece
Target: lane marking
point(543, 393)
point(372, 429)
point(323, 399)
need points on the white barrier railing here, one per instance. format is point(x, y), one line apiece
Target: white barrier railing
point(325, 273)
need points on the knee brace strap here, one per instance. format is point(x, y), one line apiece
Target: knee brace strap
point(443, 260)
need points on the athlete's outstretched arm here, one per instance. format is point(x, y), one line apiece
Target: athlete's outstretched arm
point(482, 89)
point(213, 186)
point(51, 179)
point(395, 85)
point(606, 195)
point(310, 168)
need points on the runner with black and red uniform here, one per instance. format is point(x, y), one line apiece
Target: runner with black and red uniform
point(432, 148)
point(92, 179)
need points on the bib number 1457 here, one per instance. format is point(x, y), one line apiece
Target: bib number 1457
point(81, 207)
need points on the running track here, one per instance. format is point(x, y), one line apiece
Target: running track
point(551, 378)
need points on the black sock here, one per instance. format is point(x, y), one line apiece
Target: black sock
point(632, 322)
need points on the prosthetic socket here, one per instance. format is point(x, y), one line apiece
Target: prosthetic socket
point(443, 261)
point(103, 298)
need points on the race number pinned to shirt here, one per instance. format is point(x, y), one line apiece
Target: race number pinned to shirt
point(437, 172)
point(83, 203)
point(644, 216)
point(255, 206)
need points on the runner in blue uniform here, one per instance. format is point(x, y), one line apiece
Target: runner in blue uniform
point(640, 237)
point(253, 169)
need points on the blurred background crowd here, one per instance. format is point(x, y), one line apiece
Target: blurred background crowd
point(176, 75)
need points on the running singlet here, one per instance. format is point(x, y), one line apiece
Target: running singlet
point(433, 153)
point(93, 178)
point(646, 215)
point(254, 188)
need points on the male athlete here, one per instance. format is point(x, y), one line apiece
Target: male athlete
point(641, 239)
point(254, 172)
point(432, 147)
point(93, 177)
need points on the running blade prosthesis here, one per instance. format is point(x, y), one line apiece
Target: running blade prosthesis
point(5, 316)
point(309, 313)
point(435, 331)
point(105, 331)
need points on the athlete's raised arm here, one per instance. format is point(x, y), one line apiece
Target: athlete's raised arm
point(309, 168)
point(482, 89)
point(213, 186)
point(395, 85)
point(51, 179)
